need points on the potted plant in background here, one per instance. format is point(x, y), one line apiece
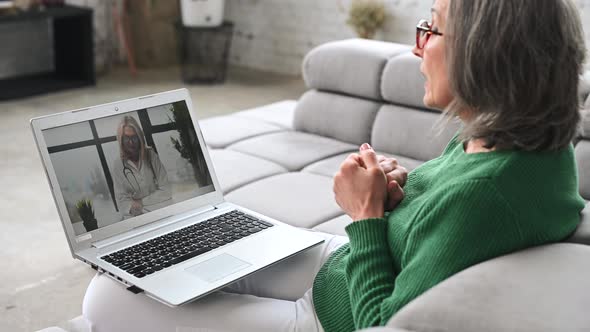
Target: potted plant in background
point(84, 207)
point(188, 145)
point(366, 17)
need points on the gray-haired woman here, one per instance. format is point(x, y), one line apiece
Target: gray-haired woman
point(509, 70)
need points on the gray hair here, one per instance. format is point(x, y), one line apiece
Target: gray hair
point(516, 64)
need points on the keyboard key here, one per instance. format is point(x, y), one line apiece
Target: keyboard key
point(136, 269)
point(127, 266)
point(266, 223)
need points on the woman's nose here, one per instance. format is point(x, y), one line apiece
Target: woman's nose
point(417, 51)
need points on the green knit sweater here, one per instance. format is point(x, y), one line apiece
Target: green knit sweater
point(459, 209)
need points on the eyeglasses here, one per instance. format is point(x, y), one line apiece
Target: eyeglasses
point(129, 139)
point(423, 33)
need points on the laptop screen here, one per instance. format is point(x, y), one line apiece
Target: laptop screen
point(118, 167)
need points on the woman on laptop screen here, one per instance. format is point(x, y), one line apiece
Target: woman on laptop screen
point(140, 179)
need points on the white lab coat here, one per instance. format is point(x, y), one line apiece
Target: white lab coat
point(141, 182)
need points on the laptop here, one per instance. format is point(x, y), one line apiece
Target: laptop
point(139, 200)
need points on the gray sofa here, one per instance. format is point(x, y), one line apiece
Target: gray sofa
point(279, 160)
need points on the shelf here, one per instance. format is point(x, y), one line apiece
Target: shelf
point(19, 87)
point(50, 12)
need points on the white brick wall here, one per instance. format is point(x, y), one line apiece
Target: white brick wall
point(274, 35)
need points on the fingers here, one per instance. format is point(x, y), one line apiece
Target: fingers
point(388, 164)
point(353, 156)
point(395, 194)
point(351, 163)
point(399, 174)
point(368, 156)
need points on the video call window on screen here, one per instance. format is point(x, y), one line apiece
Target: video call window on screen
point(126, 165)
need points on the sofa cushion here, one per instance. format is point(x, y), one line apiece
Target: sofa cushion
point(582, 152)
point(335, 226)
point(279, 114)
point(235, 169)
point(402, 83)
point(582, 233)
point(292, 150)
point(350, 67)
point(318, 112)
point(299, 199)
point(538, 289)
point(222, 131)
point(329, 166)
point(411, 133)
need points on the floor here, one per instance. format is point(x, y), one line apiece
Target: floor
point(40, 284)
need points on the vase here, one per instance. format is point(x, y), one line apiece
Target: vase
point(90, 225)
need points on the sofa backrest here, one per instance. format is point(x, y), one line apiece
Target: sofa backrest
point(350, 67)
point(366, 87)
point(344, 81)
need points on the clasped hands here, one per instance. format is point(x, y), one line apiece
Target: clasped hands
point(367, 185)
point(136, 207)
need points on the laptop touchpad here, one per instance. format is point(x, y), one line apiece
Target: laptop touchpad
point(217, 267)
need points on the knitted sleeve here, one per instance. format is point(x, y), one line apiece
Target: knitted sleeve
point(461, 225)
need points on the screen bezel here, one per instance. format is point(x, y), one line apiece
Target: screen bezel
point(85, 240)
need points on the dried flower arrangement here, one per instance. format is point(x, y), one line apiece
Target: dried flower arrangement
point(366, 17)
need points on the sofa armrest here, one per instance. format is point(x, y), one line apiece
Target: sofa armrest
point(384, 329)
point(546, 288)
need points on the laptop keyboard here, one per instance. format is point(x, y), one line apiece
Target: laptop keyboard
point(164, 251)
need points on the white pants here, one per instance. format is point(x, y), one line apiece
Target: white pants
point(275, 299)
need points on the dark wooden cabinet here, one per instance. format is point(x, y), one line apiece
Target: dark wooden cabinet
point(73, 45)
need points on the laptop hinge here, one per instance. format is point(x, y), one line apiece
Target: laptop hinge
point(154, 225)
